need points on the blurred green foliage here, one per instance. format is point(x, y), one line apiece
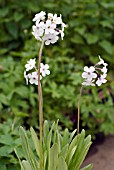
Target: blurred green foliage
point(9, 139)
point(89, 33)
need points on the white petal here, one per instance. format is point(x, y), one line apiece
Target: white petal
point(86, 69)
point(84, 75)
point(47, 42)
point(92, 69)
point(47, 72)
point(46, 66)
point(94, 75)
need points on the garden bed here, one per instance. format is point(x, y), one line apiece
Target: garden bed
point(101, 154)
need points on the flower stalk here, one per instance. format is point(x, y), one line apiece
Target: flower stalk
point(40, 103)
point(79, 101)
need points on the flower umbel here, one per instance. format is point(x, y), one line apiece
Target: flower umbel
point(95, 73)
point(32, 77)
point(47, 30)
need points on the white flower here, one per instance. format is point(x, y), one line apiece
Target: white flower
point(89, 73)
point(44, 69)
point(37, 32)
point(39, 16)
point(104, 69)
point(88, 83)
point(50, 38)
point(50, 27)
point(33, 78)
point(50, 16)
point(57, 20)
point(30, 64)
point(101, 80)
point(102, 62)
point(40, 25)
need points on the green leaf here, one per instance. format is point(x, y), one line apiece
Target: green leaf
point(7, 139)
point(35, 141)
point(77, 39)
point(91, 38)
point(107, 46)
point(65, 139)
point(81, 151)
point(88, 167)
point(26, 165)
point(61, 164)
point(3, 167)
point(22, 167)
point(12, 29)
point(53, 159)
point(4, 11)
point(46, 130)
point(27, 150)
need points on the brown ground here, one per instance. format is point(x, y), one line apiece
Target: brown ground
point(102, 155)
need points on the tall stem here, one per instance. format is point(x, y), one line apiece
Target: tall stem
point(78, 123)
point(40, 106)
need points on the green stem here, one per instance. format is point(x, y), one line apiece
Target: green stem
point(78, 123)
point(40, 106)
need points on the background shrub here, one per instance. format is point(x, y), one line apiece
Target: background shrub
point(89, 34)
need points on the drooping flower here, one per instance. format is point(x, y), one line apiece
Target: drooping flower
point(44, 69)
point(102, 62)
point(95, 73)
point(30, 64)
point(101, 79)
point(88, 83)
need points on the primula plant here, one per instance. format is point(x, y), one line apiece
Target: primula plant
point(55, 150)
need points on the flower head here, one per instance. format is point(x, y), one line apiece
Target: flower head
point(47, 30)
point(95, 73)
point(32, 76)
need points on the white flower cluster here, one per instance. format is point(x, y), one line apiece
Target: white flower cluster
point(95, 74)
point(47, 30)
point(32, 77)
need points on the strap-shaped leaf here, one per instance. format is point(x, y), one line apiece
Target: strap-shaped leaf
point(22, 167)
point(26, 165)
point(72, 135)
point(87, 144)
point(27, 150)
point(88, 167)
point(53, 159)
point(35, 141)
point(61, 164)
point(81, 151)
point(71, 149)
point(46, 131)
point(64, 151)
point(65, 139)
point(80, 144)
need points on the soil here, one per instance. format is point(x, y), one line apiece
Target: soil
point(101, 154)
